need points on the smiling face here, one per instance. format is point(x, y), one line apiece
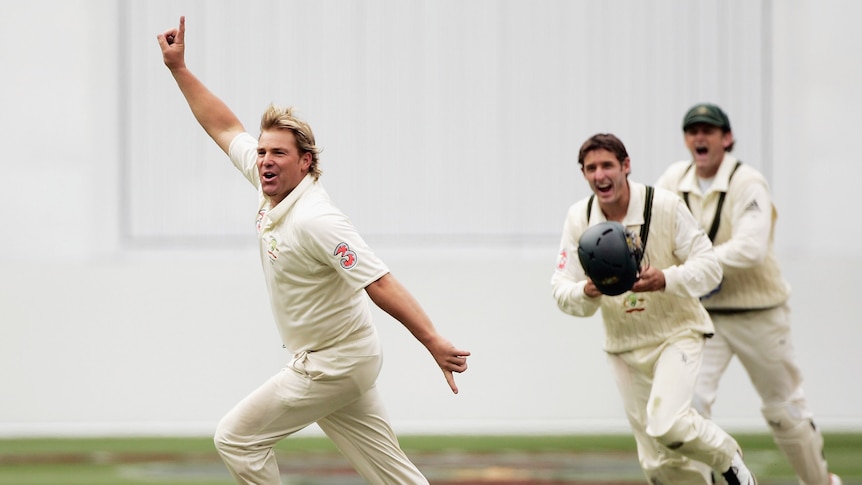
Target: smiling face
point(280, 166)
point(607, 176)
point(707, 144)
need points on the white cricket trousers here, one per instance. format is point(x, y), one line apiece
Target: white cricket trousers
point(657, 386)
point(761, 339)
point(334, 388)
point(762, 342)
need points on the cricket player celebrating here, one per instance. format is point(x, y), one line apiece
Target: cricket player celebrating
point(749, 308)
point(318, 272)
point(655, 332)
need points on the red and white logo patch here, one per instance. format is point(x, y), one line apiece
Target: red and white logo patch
point(562, 260)
point(348, 257)
point(258, 223)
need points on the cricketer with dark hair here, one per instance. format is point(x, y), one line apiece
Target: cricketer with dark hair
point(654, 334)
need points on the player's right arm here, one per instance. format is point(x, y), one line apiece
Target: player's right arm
point(574, 293)
point(220, 123)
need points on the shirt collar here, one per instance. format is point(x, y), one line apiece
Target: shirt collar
point(720, 182)
point(285, 205)
point(635, 211)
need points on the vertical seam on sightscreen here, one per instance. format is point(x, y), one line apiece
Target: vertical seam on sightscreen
point(123, 114)
point(767, 90)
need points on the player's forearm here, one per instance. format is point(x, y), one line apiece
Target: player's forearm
point(220, 123)
point(701, 271)
point(741, 253)
point(695, 278)
point(572, 299)
point(393, 298)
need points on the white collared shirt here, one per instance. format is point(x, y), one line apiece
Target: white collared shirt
point(315, 262)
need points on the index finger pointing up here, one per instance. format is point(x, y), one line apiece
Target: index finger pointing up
point(181, 33)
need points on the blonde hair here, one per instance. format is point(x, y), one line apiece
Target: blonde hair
point(283, 119)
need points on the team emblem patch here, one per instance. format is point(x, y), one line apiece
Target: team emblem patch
point(632, 303)
point(348, 257)
point(272, 249)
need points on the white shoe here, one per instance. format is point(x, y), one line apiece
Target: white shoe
point(835, 479)
point(738, 473)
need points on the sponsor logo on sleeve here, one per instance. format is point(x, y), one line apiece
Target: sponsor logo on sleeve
point(348, 257)
point(562, 260)
point(752, 206)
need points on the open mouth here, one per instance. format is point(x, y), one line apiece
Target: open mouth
point(701, 150)
point(603, 189)
point(268, 175)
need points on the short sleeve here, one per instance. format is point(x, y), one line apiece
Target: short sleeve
point(243, 155)
point(333, 240)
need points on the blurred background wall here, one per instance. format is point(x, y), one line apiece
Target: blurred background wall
point(131, 299)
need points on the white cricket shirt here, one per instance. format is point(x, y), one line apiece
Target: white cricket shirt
point(314, 261)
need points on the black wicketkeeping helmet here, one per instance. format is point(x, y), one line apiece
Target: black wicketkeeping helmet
point(611, 256)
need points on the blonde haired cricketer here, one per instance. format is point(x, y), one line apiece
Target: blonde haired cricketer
point(318, 271)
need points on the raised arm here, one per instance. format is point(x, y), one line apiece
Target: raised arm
point(392, 297)
point(214, 116)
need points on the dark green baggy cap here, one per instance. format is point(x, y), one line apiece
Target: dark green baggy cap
point(706, 113)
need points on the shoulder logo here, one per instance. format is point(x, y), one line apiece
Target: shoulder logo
point(752, 206)
point(348, 257)
point(562, 260)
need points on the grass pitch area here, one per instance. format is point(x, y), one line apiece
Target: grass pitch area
point(449, 460)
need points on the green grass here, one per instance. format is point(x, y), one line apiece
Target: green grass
point(843, 452)
point(113, 461)
point(68, 474)
point(494, 444)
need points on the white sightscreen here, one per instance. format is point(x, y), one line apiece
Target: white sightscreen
point(440, 120)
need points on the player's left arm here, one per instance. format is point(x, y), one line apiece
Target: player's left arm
point(392, 297)
point(752, 221)
point(700, 272)
point(650, 278)
point(334, 240)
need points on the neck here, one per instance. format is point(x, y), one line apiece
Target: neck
point(706, 175)
point(614, 213)
point(616, 210)
point(708, 171)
